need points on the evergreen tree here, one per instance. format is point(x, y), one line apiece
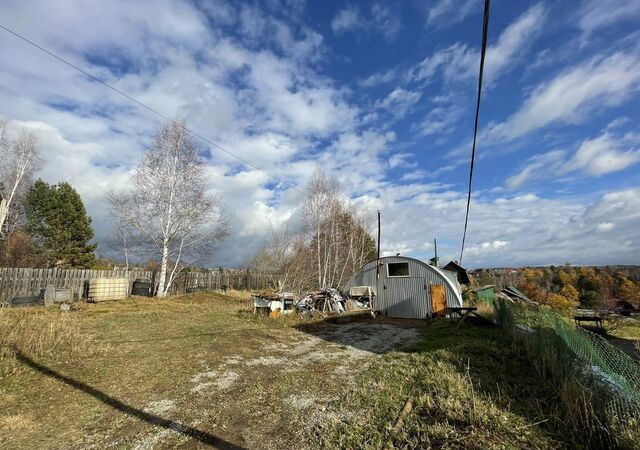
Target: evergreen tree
point(59, 225)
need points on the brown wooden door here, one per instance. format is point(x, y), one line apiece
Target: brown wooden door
point(438, 300)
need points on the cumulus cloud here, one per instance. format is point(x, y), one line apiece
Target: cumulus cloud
point(602, 155)
point(508, 231)
point(263, 92)
point(594, 157)
point(572, 95)
point(485, 248)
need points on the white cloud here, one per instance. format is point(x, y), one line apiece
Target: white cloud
point(510, 231)
point(443, 13)
point(597, 14)
point(538, 167)
point(266, 97)
point(401, 160)
point(605, 226)
point(573, 95)
point(378, 78)
point(459, 62)
point(414, 175)
point(507, 231)
point(485, 248)
point(594, 157)
point(456, 62)
point(602, 155)
point(386, 20)
point(440, 120)
point(380, 18)
point(345, 20)
point(398, 102)
point(512, 42)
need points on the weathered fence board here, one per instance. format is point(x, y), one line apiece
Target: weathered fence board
point(19, 282)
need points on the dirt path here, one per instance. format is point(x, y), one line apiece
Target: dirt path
point(629, 346)
point(265, 389)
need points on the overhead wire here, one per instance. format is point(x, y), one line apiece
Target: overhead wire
point(485, 28)
point(147, 107)
point(485, 31)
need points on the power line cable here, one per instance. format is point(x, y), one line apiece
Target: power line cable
point(485, 30)
point(148, 108)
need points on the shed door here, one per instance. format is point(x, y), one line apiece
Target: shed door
point(438, 300)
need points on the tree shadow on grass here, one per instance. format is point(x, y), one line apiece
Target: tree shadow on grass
point(185, 430)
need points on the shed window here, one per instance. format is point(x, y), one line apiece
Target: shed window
point(398, 269)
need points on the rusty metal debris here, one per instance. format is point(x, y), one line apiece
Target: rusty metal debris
point(273, 302)
point(323, 302)
point(327, 300)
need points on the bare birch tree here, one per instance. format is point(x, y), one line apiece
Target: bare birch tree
point(339, 237)
point(284, 259)
point(319, 214)
point(123, 241)
point(19, 160)
point(334, 242)
point(168, 205)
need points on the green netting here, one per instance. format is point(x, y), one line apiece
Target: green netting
point(600, 384)
point(486, 295)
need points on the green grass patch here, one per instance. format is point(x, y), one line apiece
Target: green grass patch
point(470, 390)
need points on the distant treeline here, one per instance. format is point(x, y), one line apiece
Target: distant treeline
point(569, 286)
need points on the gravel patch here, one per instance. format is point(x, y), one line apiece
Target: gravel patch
point(160, 407)
point(220, 380)
point(301, 401)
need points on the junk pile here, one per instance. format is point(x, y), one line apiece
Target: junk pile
point(509, 293)
point(512, 293)
point(322, 302)
point(326, 300)
point(273, 303)
point(360, 297)
point(626, 309)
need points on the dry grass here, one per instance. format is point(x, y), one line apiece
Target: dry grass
point(205, 361)
point(38, 332)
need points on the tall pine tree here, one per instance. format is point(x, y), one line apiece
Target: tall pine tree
point(59, 225)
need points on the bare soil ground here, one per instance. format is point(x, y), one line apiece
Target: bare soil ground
point(183, 373)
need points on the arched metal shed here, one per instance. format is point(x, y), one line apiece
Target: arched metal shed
point(408, 288)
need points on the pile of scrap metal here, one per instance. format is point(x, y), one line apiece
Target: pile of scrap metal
point(360, 297)
point(324, 301)
point(511, 293)
point(625, 308)
point(273, 303)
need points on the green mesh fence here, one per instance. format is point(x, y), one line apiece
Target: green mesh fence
point(600, 384)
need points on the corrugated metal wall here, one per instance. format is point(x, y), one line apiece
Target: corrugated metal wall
point(406, 297)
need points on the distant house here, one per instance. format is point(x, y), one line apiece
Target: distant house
point(461, 272)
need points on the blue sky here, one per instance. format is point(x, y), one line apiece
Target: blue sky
point(379, 94)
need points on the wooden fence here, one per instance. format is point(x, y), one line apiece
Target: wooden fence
point(15, 282)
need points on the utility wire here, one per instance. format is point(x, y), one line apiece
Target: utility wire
point(148, 108)
point(485, 30)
